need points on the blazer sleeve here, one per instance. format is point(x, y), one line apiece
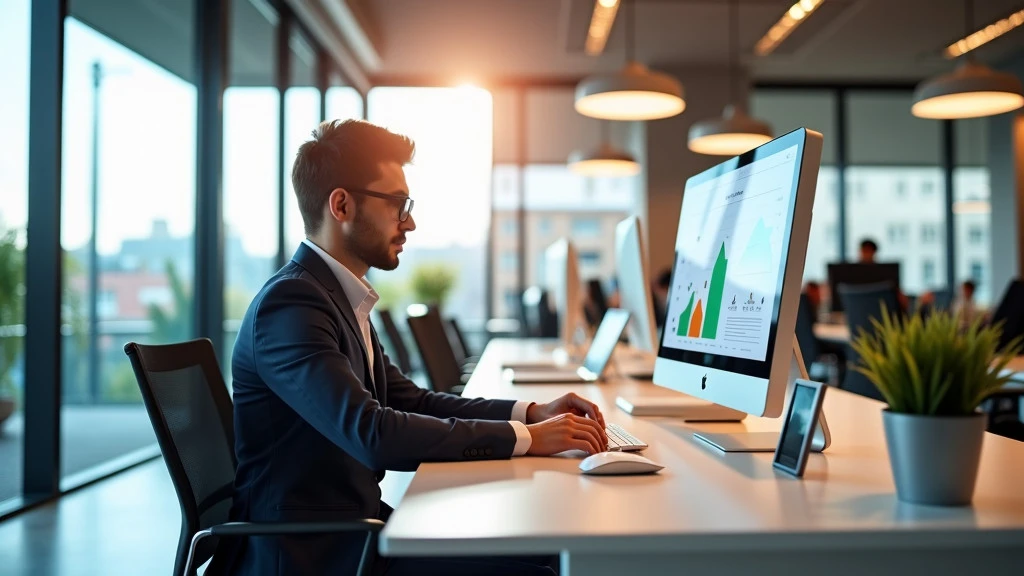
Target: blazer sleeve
point(296, 338)
point(405, 395)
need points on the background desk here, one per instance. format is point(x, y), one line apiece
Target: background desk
point(708, 512)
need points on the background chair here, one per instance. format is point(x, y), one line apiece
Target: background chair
point(863, 302)
point(439, 361)
point(191, 412)
point(539, 320)
point(1010, 312)
point(466, 359)
point(396, 344)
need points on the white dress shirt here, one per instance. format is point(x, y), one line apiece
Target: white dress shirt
point(362, 297)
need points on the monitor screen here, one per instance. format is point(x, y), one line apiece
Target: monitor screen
point(731, 254)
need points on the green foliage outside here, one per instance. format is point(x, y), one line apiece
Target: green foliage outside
point(12, 306)
point(932, 367)
point(174, 325)
point(431, 283)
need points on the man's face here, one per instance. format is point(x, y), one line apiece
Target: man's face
point(376, 235)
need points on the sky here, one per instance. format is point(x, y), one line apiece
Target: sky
point(146, 152)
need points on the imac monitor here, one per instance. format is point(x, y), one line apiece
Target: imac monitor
point(634, 293)
point(859, 273)
point(562, 281)
point(736, 279)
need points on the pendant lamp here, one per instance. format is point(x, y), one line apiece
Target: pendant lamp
point(734, 132)
point(634, 93)
point(603, 161)
point(971, 91)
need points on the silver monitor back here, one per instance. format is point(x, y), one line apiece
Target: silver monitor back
point(634, 290)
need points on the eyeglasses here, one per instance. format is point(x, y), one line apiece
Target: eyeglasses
point(403, 211)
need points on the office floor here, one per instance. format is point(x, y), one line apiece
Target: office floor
point(125, 525)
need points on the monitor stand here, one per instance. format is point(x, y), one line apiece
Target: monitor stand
point(768, 441)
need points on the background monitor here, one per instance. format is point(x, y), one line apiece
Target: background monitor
point(860, 273)
point(634, 292)
point(562, 281)
point(736, 279)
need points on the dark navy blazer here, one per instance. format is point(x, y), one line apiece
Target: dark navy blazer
point(314, 433)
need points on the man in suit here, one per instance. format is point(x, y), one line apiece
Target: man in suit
point(320, 411)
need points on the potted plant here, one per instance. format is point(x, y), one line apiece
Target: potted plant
point(12, 298)
point(934, 375)
point(431, 283)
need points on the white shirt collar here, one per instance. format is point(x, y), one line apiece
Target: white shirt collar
point(361, 296)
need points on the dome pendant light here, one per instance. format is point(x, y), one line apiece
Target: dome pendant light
point(634, 93)
point(603, 161)
point(971, 91)
point(735, 132)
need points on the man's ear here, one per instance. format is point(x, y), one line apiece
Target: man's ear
point(339, 204)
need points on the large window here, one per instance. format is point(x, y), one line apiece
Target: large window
point(894, 174)
point(129, 133)
point(301, 117)
point(251, 162)
point(14, 68)
point(972, 216)
point(559, 203)
point(449, 179)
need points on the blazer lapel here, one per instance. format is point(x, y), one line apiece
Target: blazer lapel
point(315, 265)
point(380, 373)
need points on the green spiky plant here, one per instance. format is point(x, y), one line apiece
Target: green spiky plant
point(930, 366)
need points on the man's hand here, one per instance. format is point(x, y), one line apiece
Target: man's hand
point(566, 432)
point(564, 424)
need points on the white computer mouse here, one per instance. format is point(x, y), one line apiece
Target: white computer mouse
point(618, 463)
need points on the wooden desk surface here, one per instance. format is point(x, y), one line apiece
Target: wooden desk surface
point(703, 500)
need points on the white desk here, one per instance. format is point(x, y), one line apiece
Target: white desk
point(708, 512)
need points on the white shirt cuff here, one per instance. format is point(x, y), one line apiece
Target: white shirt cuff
point(519, 411)
point(523, 438)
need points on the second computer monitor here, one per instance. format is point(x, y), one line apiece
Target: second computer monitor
point(860, 273)
point(634, 291)
point(562, 281)
point(736, 281)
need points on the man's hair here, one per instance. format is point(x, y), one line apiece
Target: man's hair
point(970, 286)
point(869, 244)
point(342, 154)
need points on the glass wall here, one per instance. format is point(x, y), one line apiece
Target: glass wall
point(129, 133)
point(301, 117)
point(14, 69)
point(251, 162)
point(449, 178)
point(971, 210)
point(894, 187)
point(342, 101)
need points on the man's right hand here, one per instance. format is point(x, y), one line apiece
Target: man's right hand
point(566, 432)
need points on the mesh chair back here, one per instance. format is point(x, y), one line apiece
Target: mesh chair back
point(439, 360)
point(396, 344)
point(1011, 312)
point(189, 407)
point(805, 337)
point(862, 303)
point(457, 340)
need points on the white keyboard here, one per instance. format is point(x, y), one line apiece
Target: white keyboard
point(621, 441)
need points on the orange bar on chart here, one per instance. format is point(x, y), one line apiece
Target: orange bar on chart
point(696, 320)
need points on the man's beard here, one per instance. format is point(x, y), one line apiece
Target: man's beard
point(371, 246)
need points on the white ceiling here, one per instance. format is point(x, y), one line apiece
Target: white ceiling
point(845, 40)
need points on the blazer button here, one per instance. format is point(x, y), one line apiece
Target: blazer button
point(466, 452)
point(487, 452)
point(473, 452)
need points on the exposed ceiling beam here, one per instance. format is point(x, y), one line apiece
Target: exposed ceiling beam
point(329, 33)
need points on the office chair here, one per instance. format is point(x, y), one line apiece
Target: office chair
point(1010, 312)
point(439, 361)
point(811, 348)
point(191, 412)
point(1003, 408)
point(597, 303)
point(539, 319)
point(863, 302)
point(460, 346)
point(396, 344)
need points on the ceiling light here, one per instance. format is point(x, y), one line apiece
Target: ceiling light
point(634, 93)
point(797, 13)
point(971, 207)
point(734, 132)
point(600, 25)
point(604, 161)
point(985, 35)
point(971, 91)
